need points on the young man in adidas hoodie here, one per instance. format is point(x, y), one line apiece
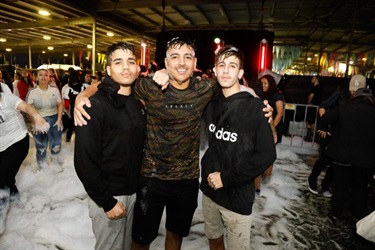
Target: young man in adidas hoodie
point(241, 147)
point(108, 151)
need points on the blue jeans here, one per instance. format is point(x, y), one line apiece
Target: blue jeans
point(53, 137)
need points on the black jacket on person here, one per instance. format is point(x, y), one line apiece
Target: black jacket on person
point(109, 149)
point(353, 141)
point(240, 148)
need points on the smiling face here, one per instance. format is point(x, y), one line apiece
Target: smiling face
point(180, 64)
point(265, 84)
point(228, 72)
point(43, 77)
point(122, 67)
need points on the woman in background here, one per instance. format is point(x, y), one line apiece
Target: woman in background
point(47, 100)
point(276, 101)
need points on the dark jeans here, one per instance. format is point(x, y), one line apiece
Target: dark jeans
point(350, 184)
point(10, 162)
point(320, 165)
point(318, 168)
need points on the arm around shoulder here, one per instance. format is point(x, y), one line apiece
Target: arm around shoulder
point(82, 99)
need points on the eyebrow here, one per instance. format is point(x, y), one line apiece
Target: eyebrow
point(121, 59)
point(186, 54)
point(222, 61)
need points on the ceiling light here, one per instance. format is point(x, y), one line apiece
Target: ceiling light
point(50, 48)
point(3, 40)
point(44, 13)
point(89, 46)
point(65, 54)
point(8, 49)
point(43, 52)
point(109, 33)
point(47, 37)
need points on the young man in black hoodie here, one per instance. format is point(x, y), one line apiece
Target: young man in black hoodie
point(241, 147)
point(109, 150)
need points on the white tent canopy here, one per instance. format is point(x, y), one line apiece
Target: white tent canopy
point(59, 66)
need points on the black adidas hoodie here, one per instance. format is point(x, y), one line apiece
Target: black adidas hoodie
point(109, 149)
point(241, 148)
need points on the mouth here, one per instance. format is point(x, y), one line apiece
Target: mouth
point(181, 71)
point(225, 78)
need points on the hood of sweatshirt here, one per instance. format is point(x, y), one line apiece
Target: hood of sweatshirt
point(110, 88)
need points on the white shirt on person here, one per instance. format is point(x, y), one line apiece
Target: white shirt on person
point(12, 124)
point(45, 101)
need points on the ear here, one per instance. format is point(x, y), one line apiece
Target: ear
point(108, 68)
point(240, 74)
point(166, 63)
point(214, 70)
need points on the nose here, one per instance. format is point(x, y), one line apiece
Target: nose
point(125, 65)
point(182, 61)
point(226, 69)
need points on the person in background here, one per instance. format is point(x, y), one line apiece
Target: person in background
point(340, 96)
point(6, 78)
point(152, 68)
point(240, 148)
point(97, 78)
point(14, 144)
point(17, 78)
point(69, 93)
point(351, 151)
point(24, 84)
point(315, 98)
point(143, 71)
point(87, 79)
point(46, 99)
point(108, 151)
point(54, 78)
point(276, 100)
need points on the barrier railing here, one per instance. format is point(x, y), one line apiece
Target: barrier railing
point(300, 125)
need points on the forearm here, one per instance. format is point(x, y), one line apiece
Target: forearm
point(277, 119)
point(29, 110)
point(90, 90)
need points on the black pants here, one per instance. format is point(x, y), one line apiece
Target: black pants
point(322, 164)
point(69, 126)
point(318, 168)
point(10, 162)
point(351, 184)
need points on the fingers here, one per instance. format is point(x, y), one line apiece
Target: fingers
point(161, 77)
point(78, 116)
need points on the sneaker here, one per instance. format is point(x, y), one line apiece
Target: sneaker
point(327, 194)
point(313, 188)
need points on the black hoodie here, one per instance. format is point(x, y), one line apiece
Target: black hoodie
point(109, 149)
point(241, 148)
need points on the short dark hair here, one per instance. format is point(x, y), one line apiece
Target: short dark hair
point(121, 45)
point(230, 50)
point(178, 42)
